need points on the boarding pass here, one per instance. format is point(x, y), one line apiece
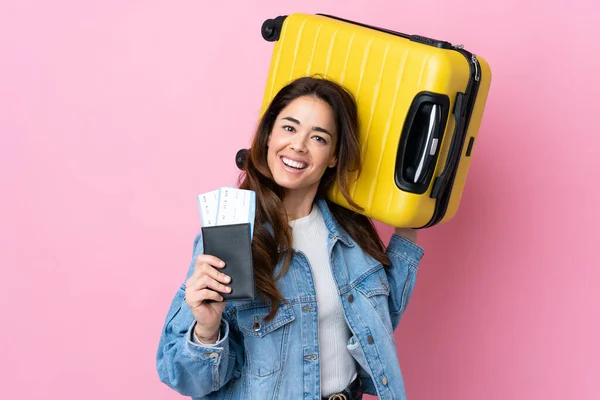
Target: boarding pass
point(227, 206)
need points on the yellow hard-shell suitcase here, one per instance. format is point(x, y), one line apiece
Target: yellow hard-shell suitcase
point(420, 104)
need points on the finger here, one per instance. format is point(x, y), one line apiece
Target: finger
point(197, 274)
point(217, 275)
point(207, 282)
point(207, 294)
point(210, 260)
point(206, 269)
point(199, 270)
point(198, 298)
point(204, 262)
point(194, 300)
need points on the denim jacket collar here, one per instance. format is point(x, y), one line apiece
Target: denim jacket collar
point(333, 226)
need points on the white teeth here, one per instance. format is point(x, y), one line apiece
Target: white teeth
point(292, 163)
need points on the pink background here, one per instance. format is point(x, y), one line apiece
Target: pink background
point(115, 114)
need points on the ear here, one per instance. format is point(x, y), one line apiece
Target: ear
point(333, 162)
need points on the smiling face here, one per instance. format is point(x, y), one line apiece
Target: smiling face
point(302, 145)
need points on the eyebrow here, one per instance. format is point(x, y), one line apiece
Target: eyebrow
point(315, 128)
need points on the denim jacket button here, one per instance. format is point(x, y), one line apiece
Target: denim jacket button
point(214, 355)
point(384, 380)
point(350, 298)
point(256, 325)
point(370, 339)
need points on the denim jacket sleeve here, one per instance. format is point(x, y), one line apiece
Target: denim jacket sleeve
point(405, 257)
point(186, 366)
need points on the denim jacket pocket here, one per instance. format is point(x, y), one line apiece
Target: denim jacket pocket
point(375, 288)
point(265, 342)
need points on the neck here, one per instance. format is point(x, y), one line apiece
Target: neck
point(298, 205)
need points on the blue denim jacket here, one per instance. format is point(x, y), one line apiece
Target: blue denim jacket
point(281, 359)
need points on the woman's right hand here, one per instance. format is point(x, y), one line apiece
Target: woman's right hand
point(205, 284)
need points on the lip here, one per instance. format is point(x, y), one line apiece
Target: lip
point(290, 169)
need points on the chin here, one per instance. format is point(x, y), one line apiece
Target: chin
point(290, 185)
point(286, 184)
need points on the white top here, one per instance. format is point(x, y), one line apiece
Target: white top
point(338, 368)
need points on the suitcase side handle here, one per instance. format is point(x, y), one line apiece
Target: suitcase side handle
point(421, 136)
point(431, 143)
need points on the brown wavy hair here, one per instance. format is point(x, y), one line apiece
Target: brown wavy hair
point(269, 247)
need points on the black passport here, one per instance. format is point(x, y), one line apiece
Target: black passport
point(232, 244)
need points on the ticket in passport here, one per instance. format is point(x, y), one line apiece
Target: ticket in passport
point(208, 204)
point(227, 206)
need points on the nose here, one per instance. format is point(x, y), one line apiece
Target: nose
point(298, 144)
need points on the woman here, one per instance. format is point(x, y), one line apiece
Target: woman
point(330, 293)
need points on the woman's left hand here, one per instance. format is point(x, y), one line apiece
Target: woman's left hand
point(407, 233)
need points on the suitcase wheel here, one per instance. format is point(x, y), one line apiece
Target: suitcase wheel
point(271, 28)
point(240, 158)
